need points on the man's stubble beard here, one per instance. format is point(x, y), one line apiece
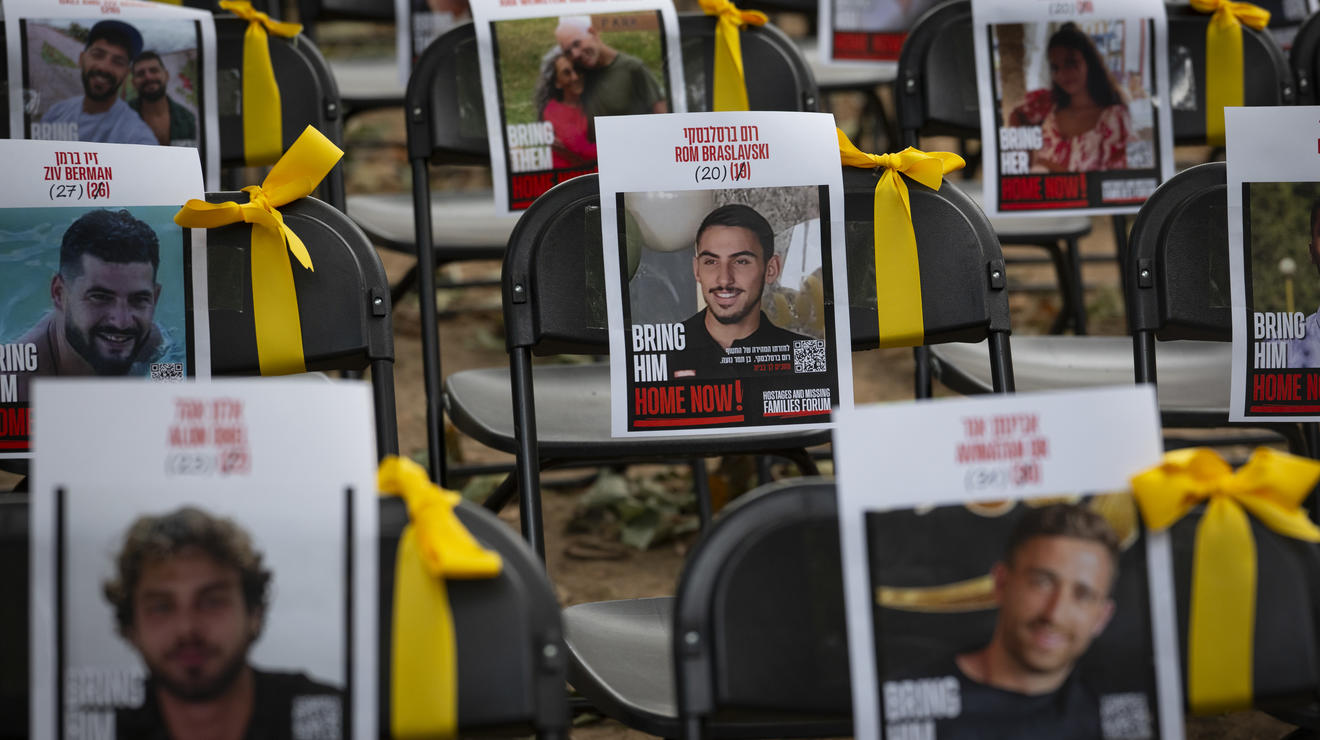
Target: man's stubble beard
point(209, 691)
point(87, 88)
point(152, 97)
point(82, 344)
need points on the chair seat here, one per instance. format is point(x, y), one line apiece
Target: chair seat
point(573, 418)
point(846, 75)
point(367, 79)
point(640, 689)
point(458, 220)
point(1193, 376)
point(1013, 229)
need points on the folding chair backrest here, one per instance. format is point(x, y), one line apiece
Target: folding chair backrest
point(14, 616)
point(1304, 59)
point(937, 91)
point(1266, 77)
point(1177, 266)
point(447, 119)
point(511, 657)
point(759, 618)
point(344, 304)
point(308, 97)
point(963, 288)
point(311, 12)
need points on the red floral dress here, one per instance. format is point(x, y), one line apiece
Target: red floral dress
point(1101, 147)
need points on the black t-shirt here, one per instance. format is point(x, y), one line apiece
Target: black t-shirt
point(981, 712)
point(287, 706)
point(703, 357)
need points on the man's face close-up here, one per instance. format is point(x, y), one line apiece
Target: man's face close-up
point(149, 79)
point(581, 45)
point(1053, 600)
point(108, 311)
point(732, 271)
point(104, 66)
point(191, 624)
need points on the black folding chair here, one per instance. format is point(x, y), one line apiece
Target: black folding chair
point(754, 644)
point(1177, 276)
point(937, 96)
point(14, 617)
point(510, 663)
point(344, 304)
point(1304, 60)
point(365, 83)
point(446, 124)
point(308, 97)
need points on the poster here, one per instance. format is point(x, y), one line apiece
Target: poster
point(548, 78)
point(1274, 262)
point(1053, 617)
point(725, 287)
point(97, 278)
point(867, 30)
point(427, 20)
point(218, 562)
point(1070, 115)
point(121, 72)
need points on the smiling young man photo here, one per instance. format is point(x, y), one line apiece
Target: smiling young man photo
point(99, 114)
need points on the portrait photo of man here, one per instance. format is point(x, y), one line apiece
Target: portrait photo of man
point(170, 122)
point(102, 299)
point(190, 592)
point(733, 261)
point(99, 114)
point(615, 83)
point(1304, 351)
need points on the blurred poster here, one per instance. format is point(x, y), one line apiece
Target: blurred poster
point(97, 278)
point(867, 30)
point(1274, 262)
point(1053, 616)
point(721, 240)
point(426, 21)
point(549, 77)
point(122, 72)
point(1069, 91)
point(214, 570)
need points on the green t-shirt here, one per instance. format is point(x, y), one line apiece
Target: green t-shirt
point(624, 87)
point(183, 124)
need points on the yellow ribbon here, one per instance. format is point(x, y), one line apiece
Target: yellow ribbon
point(1271, 486)
point(274, 300)
point(1223, 53)
point(263, 129)
point(730, 85)
point(897, 270)
point(434, 546)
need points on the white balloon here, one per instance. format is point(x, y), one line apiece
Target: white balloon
point(668, 220)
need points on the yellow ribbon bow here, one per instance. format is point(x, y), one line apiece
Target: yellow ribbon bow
point(263, 128)
point(274, 300)
point(434, 546)
point(1223, 58)
point(730, 85)
point(897, 270)
point(1271, 486)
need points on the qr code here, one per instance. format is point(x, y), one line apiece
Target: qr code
point(809, 356)
point(167, 371)
point(1125, 717)
point(317, 718)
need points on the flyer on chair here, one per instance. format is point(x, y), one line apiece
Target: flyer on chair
point(119, 72)
point(1074, 104)
point(998, 579)
point(96, 278)
point(726, 291)
point(550, 73)
point(1274, 262)
point(203, 560)
point(867, 30)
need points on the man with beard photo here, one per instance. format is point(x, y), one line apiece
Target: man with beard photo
point(99, 114)
point(733, 261)
point(103, 300)
point(190, 594)
point(173, 124)
point(616, 83)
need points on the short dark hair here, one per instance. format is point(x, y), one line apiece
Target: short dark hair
point(1064, 520)
point(111, 236)
point(1099, 84)
point(154, 538)
point(745, 217)
point(148, 56)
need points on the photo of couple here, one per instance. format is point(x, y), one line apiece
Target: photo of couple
point(558, 74)
point(110, 81)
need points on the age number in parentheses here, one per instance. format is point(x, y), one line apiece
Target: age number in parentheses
point(734, 171)
point(78, 191)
